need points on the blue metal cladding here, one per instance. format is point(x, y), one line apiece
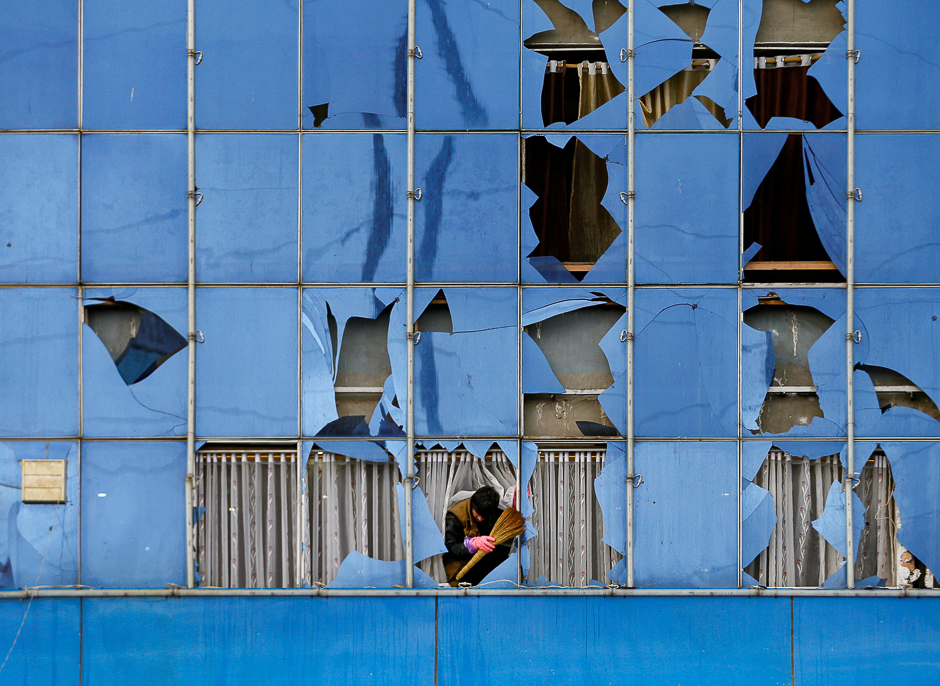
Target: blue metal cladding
point(42, 641)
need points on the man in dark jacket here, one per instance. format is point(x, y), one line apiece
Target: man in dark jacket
point(466, 531)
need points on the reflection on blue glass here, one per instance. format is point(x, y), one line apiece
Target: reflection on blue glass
point(686, 511)
point(354, 216)
point(134, 216)
point(662, 48)
point(246, 371)
point(898, 40)
point(39, 69)
point(468, 77)
point(38, 189)
point(148, 42)
point(248, 78)
point(898, 175)
point(686, 209)
point(466, 381)
point(355, 64)
point(39, 349)
point(38, 541)
point(248, 215)
point(133, 514)
point(117, 401)
point(467, 208)
point(686, 357)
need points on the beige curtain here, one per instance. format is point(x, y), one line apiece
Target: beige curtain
point(674, 91)
point(568, 549)
point(591, 229)
point(598, 86)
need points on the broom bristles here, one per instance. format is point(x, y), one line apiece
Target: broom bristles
point(510, 524)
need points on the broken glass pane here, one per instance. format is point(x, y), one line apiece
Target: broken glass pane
point(133, 514)
point(806, 395)
point(685, 355)
point(38, 193)
point(246, 371)
point(40, 65)
point(133, 379)
point(468, 76)
point(686, 65)
point(148, 91)
point(894, 362)
point(685, 515)
point(686, 209)
point(355, 64)
point(573, 209)
point(466, 381)
point(898, 175)
point(355, 217)
point(799, 487)
point(792, 37)
point(795, 215)
point(570, 72)
point(468, 207)
point(348, 384)
point(571, 547)
point(897, 40)
point(38, 541)
point(39, 347)
point(248, 214)
point(249, 77)
point(134, 218)
point(574, 362)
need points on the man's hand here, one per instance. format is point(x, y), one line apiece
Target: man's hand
point(484, 543)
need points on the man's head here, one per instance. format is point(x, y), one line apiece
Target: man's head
point(484, 504)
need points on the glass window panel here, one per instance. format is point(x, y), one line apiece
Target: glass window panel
point(355, 217)
point(38, 194)
point(355, 64)
point(248, 78)
point(40, 65)
point(896, 224)
point(897, 40)
point(134, 216)
point(246, 371)
point(468, 77)
point(574, 64)
point(39, 543)
point(686, 511)
point(466, 375)
point(39, 344)
point(685, 356)
point(134, 65)
point(134, 362)
point(686, 209)
point(467, 208)
point(133, 514)
point(248, 215)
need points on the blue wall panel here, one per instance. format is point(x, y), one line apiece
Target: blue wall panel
point(603, 640)
point(47, 642)
point(280, 641)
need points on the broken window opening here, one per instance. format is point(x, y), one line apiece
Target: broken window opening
point(436, 316)
point(896, 390)
point(571, 345)
point(692, 19)
point(797, 555)
point(791, 399)
point(569, 549)
point(571, 224)
point(137, 340)
point(578, 79)
point(780, 221)
point(879, 552)
point(793, 34)
point(449, 478)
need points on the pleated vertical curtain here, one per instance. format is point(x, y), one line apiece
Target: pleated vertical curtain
point(568, 549)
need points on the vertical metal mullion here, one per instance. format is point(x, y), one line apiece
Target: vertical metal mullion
point(191, 283)
point(850, 297)
point(631, 282)
point(410, 298)
point(740, 316)
point(78, 257)
point(300, 461)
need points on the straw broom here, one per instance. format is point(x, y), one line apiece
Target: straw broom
point(510, 524)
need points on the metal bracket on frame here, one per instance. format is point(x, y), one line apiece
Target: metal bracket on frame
point(637, 479)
